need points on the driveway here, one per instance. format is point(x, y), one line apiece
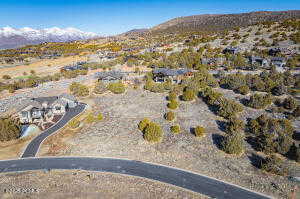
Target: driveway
point(33, 147)
point(191, 181)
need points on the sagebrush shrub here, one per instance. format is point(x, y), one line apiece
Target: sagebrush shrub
point(116, 88)
point(233, 144)
point(199, 131)
point(273, 164)
point(188, 95)
point(74, 124)
point(173, 104)
point(170, 116)
point(143, 123)
point(175, 129)
point(153, 133)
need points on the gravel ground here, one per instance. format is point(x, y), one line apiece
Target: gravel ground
point(81, 184)
point(118, 136)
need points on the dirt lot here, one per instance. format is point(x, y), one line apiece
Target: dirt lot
point(118, 136)
point(43, 67)
point(81, 184)
point(14, 149)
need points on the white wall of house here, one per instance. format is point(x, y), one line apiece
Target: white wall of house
point(58, 109)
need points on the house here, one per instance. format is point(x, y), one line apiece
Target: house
point(42, 110)
point(30, 111)
point(274, 51)
point(231, 50)
point(109, 76)
point(258, 60)
point(213, 61)
point(70, 100)
point(72, 68)
point(175, 75)
point(278, 61)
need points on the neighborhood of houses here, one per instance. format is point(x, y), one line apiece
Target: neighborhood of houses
point(42, 110)
point(176, 75)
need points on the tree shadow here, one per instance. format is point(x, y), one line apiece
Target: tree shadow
point(291, 154)
point(256, 160)
point(192, 131)
point(212, 108)
point(253, 142)
point(217, 140)
point(224, 86)
point(244, 101)
point(221, 125)
point(296, 135)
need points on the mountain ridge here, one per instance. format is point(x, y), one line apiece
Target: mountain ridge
point(13, 37)
point(219, 22)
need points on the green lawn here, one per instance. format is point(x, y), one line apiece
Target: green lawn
point(24, 77)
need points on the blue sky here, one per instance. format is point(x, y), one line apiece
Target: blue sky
point(112, 17)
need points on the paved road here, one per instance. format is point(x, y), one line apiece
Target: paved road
point(33, 147)
point(191, 181)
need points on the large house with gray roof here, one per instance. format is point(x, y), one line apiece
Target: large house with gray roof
point(175, 75)
point(42, 110)
point(109, 76)
point(263, 62)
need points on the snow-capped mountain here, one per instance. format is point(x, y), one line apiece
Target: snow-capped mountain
point(12, 37)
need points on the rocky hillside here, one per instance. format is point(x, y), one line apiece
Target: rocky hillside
point(224, 21)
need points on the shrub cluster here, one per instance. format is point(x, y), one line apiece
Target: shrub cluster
point(79, 90)
point(172, 96)
point(173, 104)
point(74, 124)
point(223, 106)
point(199, 131)
point(10, 129)
point(244, 90)
point(272, 82)
point(229, 108)
point(272, 135)
point(259, 101)
point(150, 85)
point(273, 164)
point(73, 73)
point(290, 103)
point(170, 116)
point(116, 88)
point(100, 88)
point(143, 124)
point(234, 126)
point(152, 131)
point(233, 143)
point(175, 129)
point(188, 94)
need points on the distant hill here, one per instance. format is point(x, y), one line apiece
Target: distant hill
point(13, 38)
point(219, 22)
point(135, 32)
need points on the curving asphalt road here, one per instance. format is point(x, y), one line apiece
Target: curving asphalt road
point(191, 181)
point(33, 147)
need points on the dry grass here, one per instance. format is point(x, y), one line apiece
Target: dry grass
point(13, 149)
point(57, 143)
point(43, 67)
